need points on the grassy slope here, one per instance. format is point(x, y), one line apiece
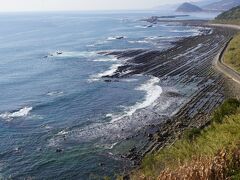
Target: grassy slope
point(204, 145)
point(232, 54)
point(229, 17)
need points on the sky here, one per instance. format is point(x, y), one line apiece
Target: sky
point(56, 5)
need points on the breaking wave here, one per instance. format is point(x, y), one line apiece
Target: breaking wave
point(108, 72)
point(16, 114)
point(153, 91)
point(119, 126)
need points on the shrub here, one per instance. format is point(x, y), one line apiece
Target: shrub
point(191, 134)
point(230, 106)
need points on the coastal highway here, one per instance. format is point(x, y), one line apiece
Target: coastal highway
point(226, 25)
point(218, 61)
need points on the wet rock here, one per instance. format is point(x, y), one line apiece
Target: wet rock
point(168, 121)
point(179, 125)
point(58, 150)
point(152, 19)
point(17, 149)
point(173, 94)
point(107, 80)
point(136, 163)
point(126, 177)
point(158, 138)
point(129, 155)
point(59, 52)
point(150, 136)
point(149, 26)
point(101, 164)
point(164, 134)
point(133, 150)
point(123, 156)
point(119, 37)
point(133, 158)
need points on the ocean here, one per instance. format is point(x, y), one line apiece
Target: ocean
point(59, 118)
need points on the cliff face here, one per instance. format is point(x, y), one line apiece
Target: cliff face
point(188, 7)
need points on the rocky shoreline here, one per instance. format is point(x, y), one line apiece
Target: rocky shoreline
point(189, 61)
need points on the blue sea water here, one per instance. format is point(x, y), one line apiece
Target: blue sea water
point(52, 96)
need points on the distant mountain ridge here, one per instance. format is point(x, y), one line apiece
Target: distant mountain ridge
point(206, 5)
point(222, 5)
point(188, 7)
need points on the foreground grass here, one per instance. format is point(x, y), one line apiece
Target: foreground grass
point(200, 152)
point(232, 54)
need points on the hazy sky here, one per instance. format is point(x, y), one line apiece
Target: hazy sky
point(46, 5)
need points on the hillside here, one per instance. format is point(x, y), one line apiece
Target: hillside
point(209, 153)
point(231, 16)
point(202, 5)
point(222, 5)
point(188, 7)
point(232, 54)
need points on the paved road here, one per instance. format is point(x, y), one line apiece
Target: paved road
point(226, 25)
point(218, 61)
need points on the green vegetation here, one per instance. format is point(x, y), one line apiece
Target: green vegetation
point(200, 149)
point(232, 54)
point(229, 107)
point(229, 17)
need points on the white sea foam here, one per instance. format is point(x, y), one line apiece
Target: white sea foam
point(55, 93)
point(116, 38)
point(144, 26)
point(130, 80)
point(16, 114)
point(141, 26)
point(73, 54)
point(91, 45)
point(152, 38)
point(120, 126)
point(186, 31)
point(48, 127)
point(100, 42)
point(108, 72)
point(111, 146)
point(109, 115)
point(63, 132)
point(140, 42)
point(106, 59)
point(153, 92)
